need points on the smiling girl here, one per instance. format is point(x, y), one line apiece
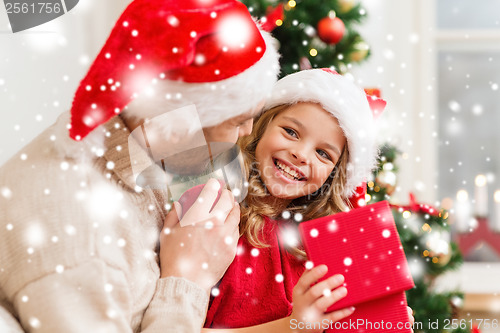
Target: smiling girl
point(307, 153)
point(296, 154)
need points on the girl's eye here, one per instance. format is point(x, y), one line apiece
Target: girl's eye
point(290, 132)
point(323, 154)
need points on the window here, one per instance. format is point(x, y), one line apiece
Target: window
point(468, 98)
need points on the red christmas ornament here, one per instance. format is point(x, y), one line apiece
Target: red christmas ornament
point(331, 30)
point(268, 23)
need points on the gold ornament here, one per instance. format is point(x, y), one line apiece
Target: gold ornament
point(441, 259)
point(345, 5)
point(360, 51)
point(438, 243)
point(387, 180)
point(342, 68)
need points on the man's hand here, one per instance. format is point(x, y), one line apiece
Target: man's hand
point(202, 250)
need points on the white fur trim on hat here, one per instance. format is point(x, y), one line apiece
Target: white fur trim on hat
point(346, 102)
point(215, 102)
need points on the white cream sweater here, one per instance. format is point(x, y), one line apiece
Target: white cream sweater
point(79, 242)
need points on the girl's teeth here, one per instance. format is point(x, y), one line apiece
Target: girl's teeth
point(290, 173)
point(287, 175)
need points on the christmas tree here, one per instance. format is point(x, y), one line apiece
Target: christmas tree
point(425, 235)
point(314, 33)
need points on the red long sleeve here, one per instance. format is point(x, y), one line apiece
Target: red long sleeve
point(256, 288)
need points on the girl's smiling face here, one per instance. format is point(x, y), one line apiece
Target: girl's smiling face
point(298, 151)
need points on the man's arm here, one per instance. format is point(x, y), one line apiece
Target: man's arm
point(179, 305)
point(80, 276)
point(94, 297)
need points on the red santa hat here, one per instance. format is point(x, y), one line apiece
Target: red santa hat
point(355, 111)
point(188, 48)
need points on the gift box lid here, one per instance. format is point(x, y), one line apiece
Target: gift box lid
point(364, 246)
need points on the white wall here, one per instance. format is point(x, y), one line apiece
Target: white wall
point(40, 68)
point(402, 64)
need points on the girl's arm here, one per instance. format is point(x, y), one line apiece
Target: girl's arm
point(309, 305)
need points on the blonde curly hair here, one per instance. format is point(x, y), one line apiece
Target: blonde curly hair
point(325, 201)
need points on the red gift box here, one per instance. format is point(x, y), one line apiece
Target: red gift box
point(363, 245)
point(188, 198)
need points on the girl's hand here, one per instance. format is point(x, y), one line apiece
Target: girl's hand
point(411, 319)
point(311, 302)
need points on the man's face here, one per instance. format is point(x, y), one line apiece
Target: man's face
point(218, 137)
point(233, 128)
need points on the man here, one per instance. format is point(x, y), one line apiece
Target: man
point(79, 240)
